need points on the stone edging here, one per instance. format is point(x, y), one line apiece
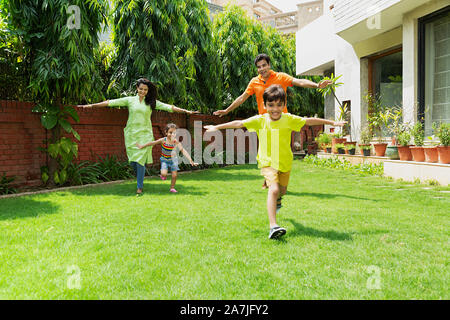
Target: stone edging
point(14, 195)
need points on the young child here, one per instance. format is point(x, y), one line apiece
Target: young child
point(274, 152)
point(169, 147)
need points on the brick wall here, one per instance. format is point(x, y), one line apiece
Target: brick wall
point(101, 132)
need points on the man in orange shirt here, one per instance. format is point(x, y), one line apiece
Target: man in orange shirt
point(265, 79)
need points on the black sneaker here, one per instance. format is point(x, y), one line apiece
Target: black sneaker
point(277, 232)
point(279, 204)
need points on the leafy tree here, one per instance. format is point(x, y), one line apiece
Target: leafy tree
point(170, 43)
point(58, 39)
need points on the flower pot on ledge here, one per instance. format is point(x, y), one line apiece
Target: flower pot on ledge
point(404, 153)
point(335, 141)
point(431, 154)
point(348, 143)
point(380, 149)
point(418, 154)
point(392, 152)
point(444, 154)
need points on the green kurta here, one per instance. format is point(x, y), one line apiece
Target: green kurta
point(139, 127)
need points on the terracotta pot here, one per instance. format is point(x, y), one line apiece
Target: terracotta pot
point(335, 141)
point(431, 154)
point(404, 153)
point(444, 154)
point(380, 149)
point(417, 154)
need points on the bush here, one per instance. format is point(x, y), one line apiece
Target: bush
point(5, 185)
point(443, 133)
point(336, 163)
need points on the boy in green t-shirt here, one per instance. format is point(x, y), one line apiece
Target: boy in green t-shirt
point(275, 157)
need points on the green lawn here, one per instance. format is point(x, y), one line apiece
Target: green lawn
point(348, 237)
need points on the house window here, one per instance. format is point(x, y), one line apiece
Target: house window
point(385, 79)
point(434, 68)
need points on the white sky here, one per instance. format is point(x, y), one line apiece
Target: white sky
point(285, 5)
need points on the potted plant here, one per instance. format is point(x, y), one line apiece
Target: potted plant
point(337, 138)
point(403, 145)
point(323, 140)
point(340, 147)
point(431, 151)
point(351, 148)
point(417, 151)
point(365, 149)
point(364, 140)
point(443, 133)
point(378, 117)
point(328, 148)
point(344, 111)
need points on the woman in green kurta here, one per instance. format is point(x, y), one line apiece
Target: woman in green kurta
point(139, 125)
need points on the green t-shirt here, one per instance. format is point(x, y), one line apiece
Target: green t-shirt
point(275, 139)
point(139, 127)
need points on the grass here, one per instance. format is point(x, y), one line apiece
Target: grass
point(349, 237)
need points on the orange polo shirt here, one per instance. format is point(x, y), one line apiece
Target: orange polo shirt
point(257, 86)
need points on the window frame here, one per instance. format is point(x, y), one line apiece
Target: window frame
point(422, 22)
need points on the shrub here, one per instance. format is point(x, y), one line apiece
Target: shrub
point(5, 184)
point(442, 131)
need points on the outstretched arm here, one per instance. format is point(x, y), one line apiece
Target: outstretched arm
point(236, 124)
point(305, 83)
point(186, 154)
point(95, 105)
point(149, 144)
point(181, 110)
point(236, 103)
point(319, 121)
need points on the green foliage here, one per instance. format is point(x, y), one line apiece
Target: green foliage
point(418, 134)
point(85, 172)
point(366, 147)
point(396, 126)
point(170, 43)
point(323, 139)
point(442, 131)
point(5, 184)
point(365, 135)
point(350, 147)
point(61, 64)
point(331, 89)
point(339, 146)
point(404, 138)
point(379, 115)
point(113, 169)
point(336, 163)
point(13, 67)
point(64, 151)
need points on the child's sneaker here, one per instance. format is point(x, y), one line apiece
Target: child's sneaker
point(162, 177)
point(279, 204)
point(276, 232)
point(173, 190)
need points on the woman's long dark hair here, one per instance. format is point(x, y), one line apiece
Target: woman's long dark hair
point(150, 98)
